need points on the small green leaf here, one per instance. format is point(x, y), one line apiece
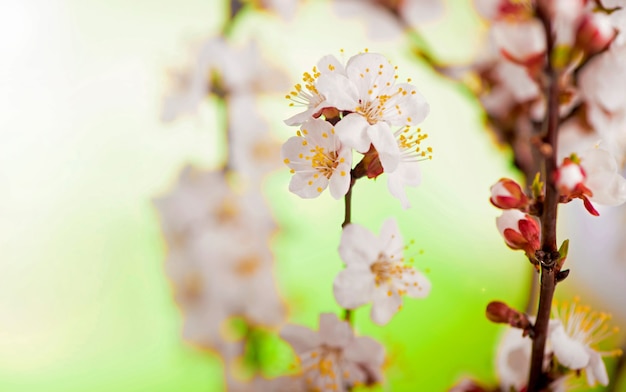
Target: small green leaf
point(537, 186)
point(563, 250)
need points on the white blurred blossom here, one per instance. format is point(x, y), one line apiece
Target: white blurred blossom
point(333, 359)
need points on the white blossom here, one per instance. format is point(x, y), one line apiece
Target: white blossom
point(369, 91)
point(307, 94)
point(333, 358)
point(574, 335)
point(407, 172)
point(375, 271)
point(317, 159)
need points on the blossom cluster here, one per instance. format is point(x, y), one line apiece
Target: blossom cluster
point(357, 107)
point(589, 62)
point(575, 336)
point(215, 280)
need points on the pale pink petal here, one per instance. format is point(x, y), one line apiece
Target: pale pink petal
point(385, 143)
point(306, 186)
point(406, 105)
point(406, 174)
point(608, 187)
point(391, 237)
point(596, 370)
point(338, 90)
point(333, 332)
point(340, 180)
point(330, 64)
point(301, 338)
point(415, 283)
point(370, 73)
point(569, 352)
point(358, 246)
point(365, 347)
point(300, 118)
point(353, 287)
point(385, 306)
point(352, 131)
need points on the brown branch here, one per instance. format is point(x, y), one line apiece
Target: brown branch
point(548, 255)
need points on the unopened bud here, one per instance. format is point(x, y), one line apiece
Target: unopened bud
point(570, 181)
point(570, 175)
point(520, 231)
point(370, 165)
point(595, 33)
point(501, 313)
point(507, 194)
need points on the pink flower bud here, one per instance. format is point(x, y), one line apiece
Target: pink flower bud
point(507, 194)
point(570, 175)
point(595, 33)
point(520, 231)
point(570, 181)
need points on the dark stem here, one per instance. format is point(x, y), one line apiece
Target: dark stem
point(347, 218)
point(548, 255)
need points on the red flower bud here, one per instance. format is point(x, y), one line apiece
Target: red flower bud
point(570, 181)
point(520, 231)
point(595, 33)
point(507, 194)
point(499, 312)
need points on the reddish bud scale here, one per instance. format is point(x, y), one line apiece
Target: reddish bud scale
point(507, 194)
point(595, 33)
point(499, 312)
point(569, 179)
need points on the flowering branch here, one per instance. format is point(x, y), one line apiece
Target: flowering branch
point(548, 255)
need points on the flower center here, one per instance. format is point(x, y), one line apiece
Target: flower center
point(324, 162)
point(373, 110)
point(384, 269)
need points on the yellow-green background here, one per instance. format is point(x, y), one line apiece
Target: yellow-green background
point(84, 302)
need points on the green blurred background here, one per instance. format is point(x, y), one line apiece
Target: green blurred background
point(84, 301)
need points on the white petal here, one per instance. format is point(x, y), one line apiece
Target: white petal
point(306, 186)
point(338, 91)
point(608, 187)
point(407, 173)
point(596, 370)
point(358, 245)
point(570, 353)
point(415, 283)
point(340, 180)
point(385, 143)
point(385, 306)
point(301, 338)
point(300, 118)
point(354, 287)
point(319, 133)
point(365, 349)
point(509, 220)
point(352, 131)
point(330, 64)
point(406, 106)
point(333, 332)
point(370, 73)
point(391, 238)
